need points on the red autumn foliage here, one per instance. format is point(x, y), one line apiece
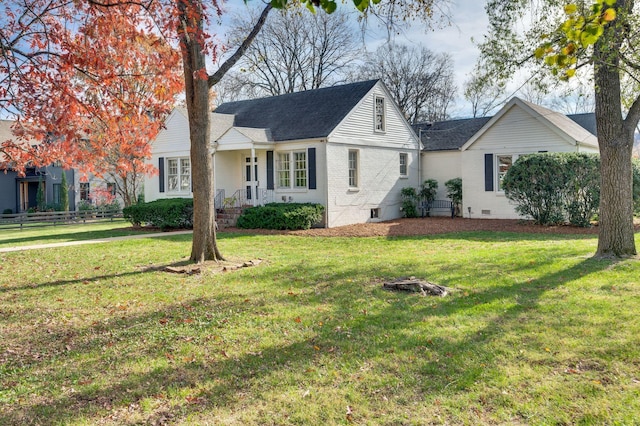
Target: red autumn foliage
point(90, 85)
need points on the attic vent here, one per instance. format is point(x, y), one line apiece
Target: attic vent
point(486, 212)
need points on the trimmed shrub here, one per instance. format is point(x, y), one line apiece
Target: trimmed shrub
point(582, 190)
point(64, 193)
point(281, 216)
point(409, 198)
point(428, 190)
point(556, 188)
point(168, 213)
point(454, 192)
point(536, 183)
point(40, 197)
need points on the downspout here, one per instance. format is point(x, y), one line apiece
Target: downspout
point(326, 183)
point(254, 179)
point(212, 152)
point(419, 156)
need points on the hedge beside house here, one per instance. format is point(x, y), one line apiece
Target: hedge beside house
point(555, 188)
point(168, 213)
point(281, 216)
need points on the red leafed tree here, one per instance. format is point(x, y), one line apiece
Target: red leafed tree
point(95, 95)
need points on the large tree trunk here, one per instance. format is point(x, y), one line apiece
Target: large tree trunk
point(204, 245)
point(615, 137)
point(616, 233)
point(197, 84)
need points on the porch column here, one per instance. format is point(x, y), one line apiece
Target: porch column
point(254, 179)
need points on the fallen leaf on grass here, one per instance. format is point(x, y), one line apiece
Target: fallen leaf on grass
point(349, 414)
point(195, 400)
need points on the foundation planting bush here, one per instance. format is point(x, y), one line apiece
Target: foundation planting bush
point(281, 216)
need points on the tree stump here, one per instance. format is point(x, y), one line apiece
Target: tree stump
point(415, 285)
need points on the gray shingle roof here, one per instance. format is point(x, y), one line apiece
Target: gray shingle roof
point(453, 134)
point(586, 120)
point(448, 135)
point(301, 115)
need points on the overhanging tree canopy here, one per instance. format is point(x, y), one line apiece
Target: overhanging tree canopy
point(564, 39)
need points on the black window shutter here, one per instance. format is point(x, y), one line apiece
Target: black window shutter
point(488, 172)
point(269, 169)
point(161, 173)
point(312, 168)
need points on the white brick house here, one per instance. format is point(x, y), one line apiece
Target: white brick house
point(346, 147)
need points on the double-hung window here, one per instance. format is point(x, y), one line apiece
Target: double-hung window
point(111, 188)
point(353, 168)
point(379, 118)
point(300, 170)
point(504, 163)
point(284, 170)
point(179, 174)
point(291, 170)
point(404, 160)
point(84, 191)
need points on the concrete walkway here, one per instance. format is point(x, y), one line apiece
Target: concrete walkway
point(96, 241)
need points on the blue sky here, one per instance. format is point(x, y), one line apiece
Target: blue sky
point(468, 21)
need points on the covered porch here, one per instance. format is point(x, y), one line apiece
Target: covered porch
point(243, 175)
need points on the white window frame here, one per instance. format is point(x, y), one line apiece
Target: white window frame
point(84, 191)
point(292, 170)
point(283, 170)
point(499, 173)
point(300, 175)
point(181, 174)
point(379, 114)
point(353, 168)
point(404, 164)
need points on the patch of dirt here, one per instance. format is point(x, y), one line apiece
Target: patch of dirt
point(210, 266)
point(429, 226)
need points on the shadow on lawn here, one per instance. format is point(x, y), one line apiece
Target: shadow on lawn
point(73, 236)
point(221, 373)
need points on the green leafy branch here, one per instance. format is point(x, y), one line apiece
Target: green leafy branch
point(328, 6)
point(578, 33)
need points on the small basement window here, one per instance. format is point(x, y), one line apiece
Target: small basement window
point(375, 213)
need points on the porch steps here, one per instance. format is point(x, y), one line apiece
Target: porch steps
point(227, 218)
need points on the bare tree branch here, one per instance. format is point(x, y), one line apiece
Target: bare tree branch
point(226, 66)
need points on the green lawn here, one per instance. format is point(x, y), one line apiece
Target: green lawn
point(61, 233)
point(536, 332)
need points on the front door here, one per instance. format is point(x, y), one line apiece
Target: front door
point(28, 195)
point(251, 177)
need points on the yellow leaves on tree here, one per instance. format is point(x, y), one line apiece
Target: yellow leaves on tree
point(581, 30)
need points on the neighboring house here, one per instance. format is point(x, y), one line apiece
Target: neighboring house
point(346, 147)
point(481, 150)
point(19, 193)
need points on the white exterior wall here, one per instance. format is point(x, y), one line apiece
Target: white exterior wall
point(173, 141)
point(379, 180)
point(441, 166)
point(515, 133)
point(379, 184)
point(228, 170)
